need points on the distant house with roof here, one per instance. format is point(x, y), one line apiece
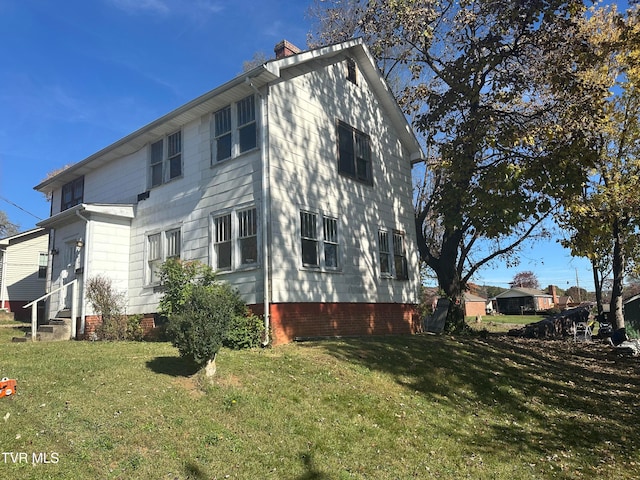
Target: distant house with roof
point(23, 270)
point(523, 300)
point(475, 305)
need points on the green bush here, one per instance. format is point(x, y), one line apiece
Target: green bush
point(177, 278)
point(201, 326)
point(244, 331)
point(109, 304)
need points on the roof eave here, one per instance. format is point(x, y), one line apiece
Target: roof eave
point(156, 129)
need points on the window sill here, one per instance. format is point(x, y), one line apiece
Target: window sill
point(179, 177)
point(306, 268)
point(215, 163)
point(246, 268)
point(368, 183)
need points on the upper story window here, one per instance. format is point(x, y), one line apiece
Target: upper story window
point(72, 194)
point(352, 71)
point(166, 159)
point(222, 133)
point(235, 240)
point(354, 153)
point(235, 130)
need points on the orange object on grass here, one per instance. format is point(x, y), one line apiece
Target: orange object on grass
point(7, 387)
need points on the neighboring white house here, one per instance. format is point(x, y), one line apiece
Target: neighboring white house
point(293, 181)
point(23, 270)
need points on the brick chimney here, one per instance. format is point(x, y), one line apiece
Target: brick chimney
point(285, 49)
point(553, 292)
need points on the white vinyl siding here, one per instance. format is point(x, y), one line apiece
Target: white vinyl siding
point(20, 263)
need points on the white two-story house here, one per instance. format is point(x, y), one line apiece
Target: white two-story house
point(292, 180)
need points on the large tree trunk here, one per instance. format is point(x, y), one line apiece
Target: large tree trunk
point(449, 279)
point(616, 316)
point(598, 286)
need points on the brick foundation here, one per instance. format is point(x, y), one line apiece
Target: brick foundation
point(291, 321)
point(22, 314)
point(92, 322)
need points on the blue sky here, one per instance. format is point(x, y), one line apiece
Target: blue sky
point(78, 75)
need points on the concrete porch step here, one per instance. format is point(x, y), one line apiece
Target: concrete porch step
point(56, 330)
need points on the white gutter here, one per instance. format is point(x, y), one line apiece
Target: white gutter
point(266, 260)
point(85, 271)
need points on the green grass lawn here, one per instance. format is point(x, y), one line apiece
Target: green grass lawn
point(380, 408)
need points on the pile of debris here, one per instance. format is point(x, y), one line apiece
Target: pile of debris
point(560, 325)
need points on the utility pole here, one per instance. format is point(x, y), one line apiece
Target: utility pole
point(578, 285)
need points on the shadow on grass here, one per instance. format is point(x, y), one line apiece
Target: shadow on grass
point(174, 366)
point(545, 396)
point(194, 471)
point(312, 473)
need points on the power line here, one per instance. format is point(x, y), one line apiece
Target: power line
point(20, 208)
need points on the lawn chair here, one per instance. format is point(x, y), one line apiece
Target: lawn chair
point(582, 332)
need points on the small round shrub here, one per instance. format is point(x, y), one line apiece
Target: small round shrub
point(244, 331)
point(199, 329)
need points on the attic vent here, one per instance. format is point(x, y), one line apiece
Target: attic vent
point(285, 49)
point(143, 196)
point(352, 71)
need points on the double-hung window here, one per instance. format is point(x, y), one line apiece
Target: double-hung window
point(160, 247)
point(165, 159)
point(222, 133)
point(43, 258)
point(248, 236)
point(385, 252)
point(309, 237)
point(354, 154)
point(222, 242)
point(330, 227)
point(247, 128)
point(392, 254)
point(235, 240)
point(234, 129)
point(72, 193)
point(319, 240)
point(399, 256)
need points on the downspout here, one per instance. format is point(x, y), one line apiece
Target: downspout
point(85, 265)
point(3, 278)
point(50, 259)
point(266, 201)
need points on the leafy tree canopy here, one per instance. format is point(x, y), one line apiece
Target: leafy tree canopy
point(526, 279)
point(497, 92)
point(7, 228)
